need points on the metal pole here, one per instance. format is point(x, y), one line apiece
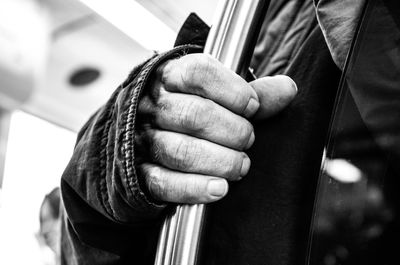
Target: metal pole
point(231, 40)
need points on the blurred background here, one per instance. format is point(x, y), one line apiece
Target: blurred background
point(59, 61)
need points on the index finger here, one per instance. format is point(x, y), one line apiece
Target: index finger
point(202, 75)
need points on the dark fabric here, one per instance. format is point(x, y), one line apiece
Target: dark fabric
point(265, 218)
point(366, 133)
point(338, 20)
point(287, 25)
point(110, 220)
point(108, 217)
point(193, 31)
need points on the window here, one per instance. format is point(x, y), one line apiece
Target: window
point(358, 202)
point(37, 154)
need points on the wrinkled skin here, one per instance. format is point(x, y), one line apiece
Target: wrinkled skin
point(198, 127)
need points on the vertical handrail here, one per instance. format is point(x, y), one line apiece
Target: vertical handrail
point(231, 40)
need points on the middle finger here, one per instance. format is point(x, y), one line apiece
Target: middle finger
point(201, 118)
point(192, 155)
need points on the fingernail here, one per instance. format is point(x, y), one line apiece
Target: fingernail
point(251, 108)
point(217, 187)
point(294, 85)
point(251, 140)
point(245, 166)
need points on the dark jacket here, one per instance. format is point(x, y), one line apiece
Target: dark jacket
point(109, 217)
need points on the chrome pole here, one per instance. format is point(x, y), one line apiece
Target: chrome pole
point(231, 40)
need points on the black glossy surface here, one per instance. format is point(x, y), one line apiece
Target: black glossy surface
point(357, 215)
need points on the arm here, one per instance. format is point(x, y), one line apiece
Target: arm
point(106, 211)
point(177, 141)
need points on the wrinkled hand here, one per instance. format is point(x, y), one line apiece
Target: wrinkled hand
point(197, 129)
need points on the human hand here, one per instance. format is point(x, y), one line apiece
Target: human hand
point(195, 127)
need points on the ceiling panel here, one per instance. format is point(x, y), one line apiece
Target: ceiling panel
point(174, 12)
point(95, 44)
point(81, 38)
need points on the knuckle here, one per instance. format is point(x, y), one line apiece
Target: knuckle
point(156, 150)
point(164, 72)
point(191, 191)
point(187, 195)
point(156, 183)
point(241, 100)
point(194, 115)
point(186, 155)
point(157, 147)
point(163, 103)
point(245, 130)
point(233, 166)
point(239, 131)
point(199, 69)
point(209, 115)
point(189, 115)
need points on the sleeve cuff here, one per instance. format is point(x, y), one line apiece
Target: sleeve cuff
point(136, 190)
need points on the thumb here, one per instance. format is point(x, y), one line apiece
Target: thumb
point(274, 93)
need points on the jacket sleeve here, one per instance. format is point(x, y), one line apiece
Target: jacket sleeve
point(108, 218)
